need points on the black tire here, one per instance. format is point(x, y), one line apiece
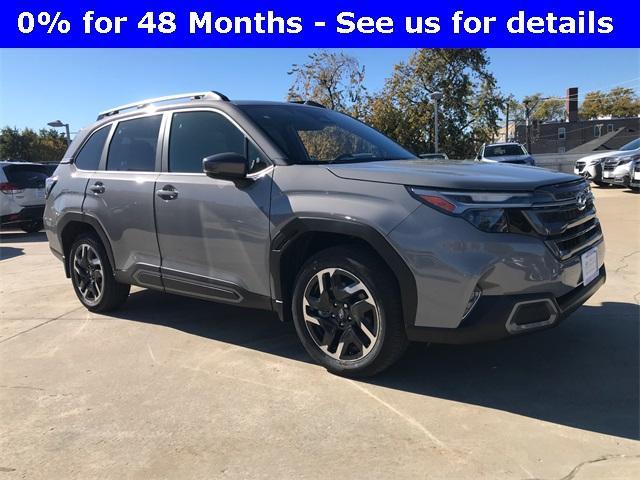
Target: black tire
point(32, 227)
point(113, 293)
point(390, 341)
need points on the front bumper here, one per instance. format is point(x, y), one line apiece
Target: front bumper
point(498, 317)
point(26, 215)
point(624, 181)
point(449, 258)
point(590, 171)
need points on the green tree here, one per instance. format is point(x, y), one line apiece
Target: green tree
point(618, 102)
point(469, 109)
point(546, 109)
point(335, 80)
point(47, 145)
point(12, 145)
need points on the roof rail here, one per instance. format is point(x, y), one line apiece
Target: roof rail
point(308, 102)
point(210, 95)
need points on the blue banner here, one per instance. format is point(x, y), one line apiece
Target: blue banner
point(331, 23)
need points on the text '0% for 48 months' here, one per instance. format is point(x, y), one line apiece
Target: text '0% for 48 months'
point(27, 22)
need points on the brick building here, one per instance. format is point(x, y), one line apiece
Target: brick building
point(579, 136)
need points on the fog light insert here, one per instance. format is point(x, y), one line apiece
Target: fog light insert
point(473, 299)
point(532, 314)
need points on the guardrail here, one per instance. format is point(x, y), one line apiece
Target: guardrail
point(561, 162)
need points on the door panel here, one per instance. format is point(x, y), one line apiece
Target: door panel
point(124, 207)
point(120, 195)
point(214, 233)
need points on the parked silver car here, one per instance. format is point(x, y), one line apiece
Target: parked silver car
point(507, 152)
point(619, 170)
point(598, 167)
point(309, 213)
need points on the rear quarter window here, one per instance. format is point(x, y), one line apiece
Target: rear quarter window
point(89, 156)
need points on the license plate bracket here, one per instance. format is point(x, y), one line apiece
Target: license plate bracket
point(589, 261)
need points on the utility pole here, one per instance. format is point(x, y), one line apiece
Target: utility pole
point(528, 110)
point(506, 130)
point(435, 96)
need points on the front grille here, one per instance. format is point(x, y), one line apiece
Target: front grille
point(575, 240)
point(580, 166)
point(566, 226)
point(610, 164)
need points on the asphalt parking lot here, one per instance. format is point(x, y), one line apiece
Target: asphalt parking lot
point(170, 387)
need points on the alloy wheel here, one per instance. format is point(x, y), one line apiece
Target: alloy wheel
point(341, 314)
point(88, 274)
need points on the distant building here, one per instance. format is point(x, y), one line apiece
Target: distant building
point(578, 136)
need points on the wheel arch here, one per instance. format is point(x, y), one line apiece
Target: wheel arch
point(74, 224)
point(303, 236)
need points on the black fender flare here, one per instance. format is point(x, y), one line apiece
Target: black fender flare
point(92, 222)
point(301, 225)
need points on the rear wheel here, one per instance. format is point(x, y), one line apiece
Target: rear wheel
point(32, 227)
point(347, 312)
point(92, 276)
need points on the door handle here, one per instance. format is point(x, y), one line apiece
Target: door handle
point(168, 192)
point(97, 187)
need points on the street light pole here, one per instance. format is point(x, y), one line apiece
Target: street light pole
point(435, 96)
point(58, 124)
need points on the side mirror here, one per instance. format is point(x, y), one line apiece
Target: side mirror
point(225, 166)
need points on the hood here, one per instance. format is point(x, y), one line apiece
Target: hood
point(467, 175)
point(608, 153)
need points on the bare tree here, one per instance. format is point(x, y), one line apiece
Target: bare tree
point(333, 79)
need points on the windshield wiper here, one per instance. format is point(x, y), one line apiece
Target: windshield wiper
point(349, 157)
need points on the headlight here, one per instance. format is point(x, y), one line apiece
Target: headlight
point(493, 220)
point(630, 158)
point(487, 211)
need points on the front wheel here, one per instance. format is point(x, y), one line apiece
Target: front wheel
point(92, 276)
point(347, 312)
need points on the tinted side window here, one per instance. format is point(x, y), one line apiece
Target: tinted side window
point(195, 135)
point(133, 146)
point(89, 156)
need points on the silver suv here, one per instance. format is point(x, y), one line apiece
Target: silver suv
point(309, 213)
point(506, 152)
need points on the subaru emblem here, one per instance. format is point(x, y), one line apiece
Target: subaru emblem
point(581, 200)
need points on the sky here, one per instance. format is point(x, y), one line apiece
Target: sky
point(73, 85)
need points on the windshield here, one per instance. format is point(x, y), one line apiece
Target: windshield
point(633, 145)
point(503, 150)
point(316, 135)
